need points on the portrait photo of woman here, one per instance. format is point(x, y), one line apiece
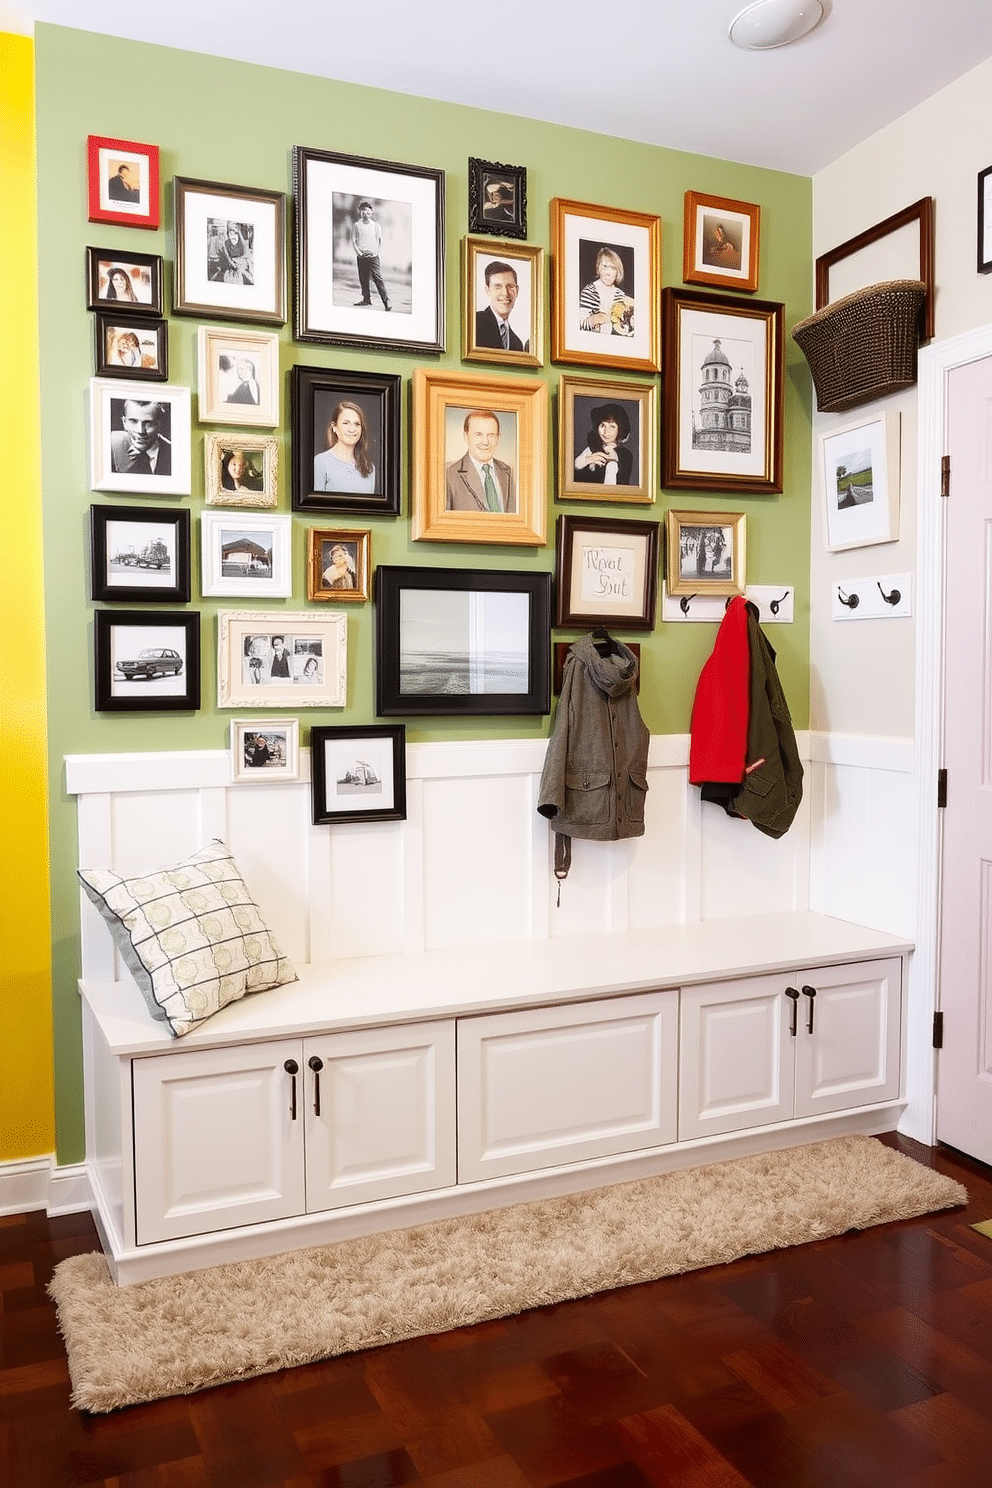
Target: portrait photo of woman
point(606, 458)
point(340, 570)
point(605, 305)
point(238, 472)
point(345, 464)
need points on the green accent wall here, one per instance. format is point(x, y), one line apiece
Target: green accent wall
point(231, 122)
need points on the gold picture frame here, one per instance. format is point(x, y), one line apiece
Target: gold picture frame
point(504, 421)
point(351, 569)
point(255, 483)
point(584, 460)
point(487, 267)
point(602, 254)
point(705, 552)
point(720, 242)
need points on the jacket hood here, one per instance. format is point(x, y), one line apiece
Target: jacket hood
point(613, 675)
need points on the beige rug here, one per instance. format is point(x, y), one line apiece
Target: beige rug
point(171, 1337)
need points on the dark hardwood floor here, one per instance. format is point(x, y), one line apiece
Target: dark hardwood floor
point(859, 1362)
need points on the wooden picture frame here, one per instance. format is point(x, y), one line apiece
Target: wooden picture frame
point(309, 669)
point(117, 280)
point(122, 180)
point(358, 773)
point(265, 751)
point(606, 573)
point(720, 242)
point(140, 554)
point(605, 280)
point(130, 346)
point(463, 422)
point(721, 393)
point(899, 247)
point(595, 464)
point(230, 252)
point(146, 661)
point(126, 416)
point(343, 254)
point(705, 553)
point(246, 555)
point(462, 642)
point(502, 298)
point(339, 565)
point(237, 379)
point(241, 470)
point(369, 482)
point(497, 198)
point(860, 478)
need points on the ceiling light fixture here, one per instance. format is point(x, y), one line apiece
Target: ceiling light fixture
point(774, 23)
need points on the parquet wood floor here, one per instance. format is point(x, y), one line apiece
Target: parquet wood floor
point(856, 1362)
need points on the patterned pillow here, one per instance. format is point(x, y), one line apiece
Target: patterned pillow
point(191, 936)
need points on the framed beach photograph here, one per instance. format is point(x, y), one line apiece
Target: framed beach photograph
point(339, 566)
point(479, 458)
point(606, 274)
point(126, 283)
point(497, 198)
point(606, 440)
point(860, 475)
point(245, 555)
point(358, 774)
point(502, 303)
point(237, 377)
point(130, 346)
point(139, 437)
point(721, 414)
point(274, 659)
point(265, 753)
point(462, 642)
point(241, 470)
point(369, 252)
point(606, 573)
point(720, 242)
point(346, 441)
point(139, 554)
point(704, 552)
point(230, 252)
point(146, 661)
point(123, 181)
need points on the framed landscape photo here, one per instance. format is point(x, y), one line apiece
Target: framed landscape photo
point(358, 774)
point(123, 181)
point(462, 642)
point(369, 252)
point(237, 376)
point(275, 659)
point(502, 303)
point(265, 753)
point(346, 441)
point(139, 554)
point(245, 555)
point(230, 252)
point(606, 440)
point(704, 552)
point(130, 346)
point(720, 242)
point(338, 564)
point(126, 283)
point(606, 269)
point(497, 198)
point(860, 475)
point(479, 458)
point(241, 470)
point(139, 437)
point(146, 661)
point(606, 573)
point(721, 416)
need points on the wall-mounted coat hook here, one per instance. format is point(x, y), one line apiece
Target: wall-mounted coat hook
point(685, 601)
point(890, 599)
point(873, 597)
point(852, 601)
point(774, 604)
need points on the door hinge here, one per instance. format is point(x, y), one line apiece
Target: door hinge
point(938, 1030)
point(945, 475)
point(941, 788)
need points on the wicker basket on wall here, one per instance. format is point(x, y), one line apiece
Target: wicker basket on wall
point(864, 345)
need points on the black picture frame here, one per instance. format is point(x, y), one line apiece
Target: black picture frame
point(118, 336)
point(606, 572)
point(345, 784)
point(240, 278)
point(985, 220)
point(407, 203)
point(131, 543)
point(315, 392)
point(497, 198)
point(142, 271)
point(415, 675)
point(159, 685)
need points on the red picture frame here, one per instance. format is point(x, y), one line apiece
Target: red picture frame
point(123, 181)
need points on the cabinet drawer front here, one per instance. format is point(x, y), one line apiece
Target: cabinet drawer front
point(559, 1085)
point(736, 1066)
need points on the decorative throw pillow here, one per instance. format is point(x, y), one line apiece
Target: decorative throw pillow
point(191, 935)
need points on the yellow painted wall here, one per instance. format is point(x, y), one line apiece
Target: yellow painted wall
point(27, 1121)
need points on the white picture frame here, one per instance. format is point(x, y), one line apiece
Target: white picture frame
point(860, 478)
point(237, 378)
point(110, 422)
point(246, 648)
point(278, 760)
point(244, 555)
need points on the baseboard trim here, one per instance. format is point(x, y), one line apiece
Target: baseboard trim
point(39, 1183)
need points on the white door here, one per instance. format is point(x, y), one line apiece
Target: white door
point(964, 1064)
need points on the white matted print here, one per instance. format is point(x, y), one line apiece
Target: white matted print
point(272, 659)
point(139, 438)
point(262, 753)
point(606, 282)
point(246, 555)
point(230, 252)
point(860, 471)
point(237, 376)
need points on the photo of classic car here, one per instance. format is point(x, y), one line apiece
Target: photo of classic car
point(152, 555)
point(151, 661)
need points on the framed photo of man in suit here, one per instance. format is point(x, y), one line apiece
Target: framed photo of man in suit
point(123, 181)
point(502, 303)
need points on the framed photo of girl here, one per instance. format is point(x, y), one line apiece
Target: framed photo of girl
point(237, 376)
point(338, 564)
point(241, 470)
point(128, 283)
point(606, 441)
point(720, 242)
point(346, 441)
point(369, 252)
point(502, 303)
point(230, 252)
point(605, 278)
point(123, 181)
point(129, 346)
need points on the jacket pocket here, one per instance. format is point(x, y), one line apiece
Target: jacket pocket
point(587, 797)
point(637, 789)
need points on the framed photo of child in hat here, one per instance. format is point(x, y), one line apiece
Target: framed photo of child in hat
point(606, 441)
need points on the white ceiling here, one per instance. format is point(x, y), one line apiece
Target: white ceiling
point(661, 71)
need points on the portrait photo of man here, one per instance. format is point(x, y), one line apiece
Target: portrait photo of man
point(139, 439)
point(124, 183)
point(493, 328)
point(478, 480)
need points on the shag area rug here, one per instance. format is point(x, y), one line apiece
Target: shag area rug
point(180, 1334)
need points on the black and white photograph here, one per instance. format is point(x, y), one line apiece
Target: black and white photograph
point(139, 437)
point(230, 252)
point(860, 477)
point(346, 429)
point(606, 280)
point(237, 376)
point(268, 660)
point(146, 660)
point(358, 774)
point(264, 753)
point(241, 470)
point(497, 198)
point(606, 441)
point(502, 303)
point(245, 555)
point(128, 346)
point(705, 553)
point(139, 553)
point(124, 283)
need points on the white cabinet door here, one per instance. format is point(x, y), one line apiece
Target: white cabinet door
point(851, 1058)
point(216, 1139)
point(380, 1113)
point(557, 1085)
point(736, 1062)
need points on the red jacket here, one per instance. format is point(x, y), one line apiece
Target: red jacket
point(718, 746)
